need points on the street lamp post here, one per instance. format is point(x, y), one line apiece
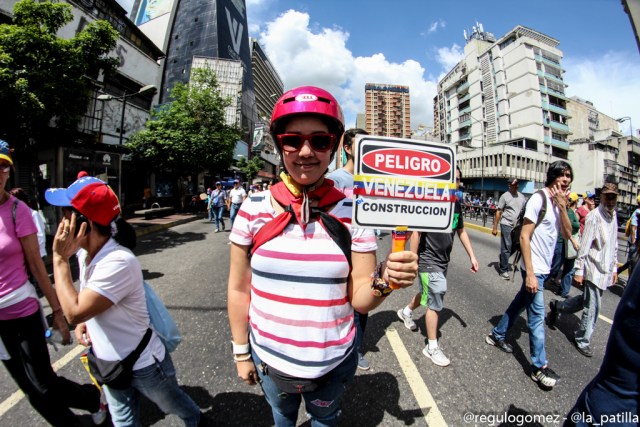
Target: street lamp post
point(623, 119)
point(123, 98)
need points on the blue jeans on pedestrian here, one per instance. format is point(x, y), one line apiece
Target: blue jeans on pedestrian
point(589, 302)
point(322, 405)
point(558, 260)
point(157, 382)
point(567, 277)
point(235, 207)
point(360, 322)
point(217, 215)
point(534, 303)
point(505, 247)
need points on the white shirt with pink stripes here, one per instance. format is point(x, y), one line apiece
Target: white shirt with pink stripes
point(300, 316)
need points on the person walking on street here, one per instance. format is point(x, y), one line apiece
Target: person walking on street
point(509, 207)
point(237, 195)
point(217, 203)
point(596, 268)
point(434, 254)
point(23, 347)
point(588, 204)
point(343, 180)
point(537, 245)
point(632, 248)
point(291, 303)
point(110, 309)
point(570, 255)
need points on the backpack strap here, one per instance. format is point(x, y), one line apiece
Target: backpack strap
point(543, 210)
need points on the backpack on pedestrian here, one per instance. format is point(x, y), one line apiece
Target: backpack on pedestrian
point(517, 229)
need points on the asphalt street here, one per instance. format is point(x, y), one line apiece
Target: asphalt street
point(188, 267)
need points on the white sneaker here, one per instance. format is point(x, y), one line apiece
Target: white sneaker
point(436, 356)
point(100, 416)
point(408, 321)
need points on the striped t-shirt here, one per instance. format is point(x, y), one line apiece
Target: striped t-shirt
point(300, 316)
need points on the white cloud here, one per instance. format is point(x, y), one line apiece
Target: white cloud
point(308, 56)
point(448, 57)
point(610, 81)
point(434, 27)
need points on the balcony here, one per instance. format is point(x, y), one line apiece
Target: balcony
point(547, 90)
point(555, 108)
point(464, 98)
point(462, 88)
point(559, 127)
point(551, 77)
point(556, 142)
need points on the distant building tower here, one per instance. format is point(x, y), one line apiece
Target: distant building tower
point(361, 120)
point(210, 29)
point(388, 110)
point(504, 106)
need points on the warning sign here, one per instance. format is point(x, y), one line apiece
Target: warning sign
point(403, 182)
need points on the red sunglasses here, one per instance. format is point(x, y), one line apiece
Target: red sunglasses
point(292, 142)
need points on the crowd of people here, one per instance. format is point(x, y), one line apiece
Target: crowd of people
point(297, 312)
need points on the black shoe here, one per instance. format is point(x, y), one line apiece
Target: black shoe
point(554, 315)
point(585, 351)
point(545, 377)
point(492, 340)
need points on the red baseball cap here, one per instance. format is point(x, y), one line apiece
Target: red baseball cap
point(90, 196)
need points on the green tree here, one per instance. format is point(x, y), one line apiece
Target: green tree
point(188, 134)
point(46, 79)
point(250, 168)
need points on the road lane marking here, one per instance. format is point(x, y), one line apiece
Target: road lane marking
point(433, 416)
point(17, 396)
point(606, 319)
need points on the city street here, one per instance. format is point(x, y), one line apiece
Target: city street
point(188, 267)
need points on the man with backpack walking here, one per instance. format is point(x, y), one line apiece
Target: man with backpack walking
point(509, 207)
point(545, 216)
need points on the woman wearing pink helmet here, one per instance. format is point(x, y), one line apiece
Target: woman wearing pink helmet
point(291, 303)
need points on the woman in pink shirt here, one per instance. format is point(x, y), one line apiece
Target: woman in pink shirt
point(23, 346)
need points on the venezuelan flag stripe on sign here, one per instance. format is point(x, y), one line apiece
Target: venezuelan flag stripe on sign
point(403, 188)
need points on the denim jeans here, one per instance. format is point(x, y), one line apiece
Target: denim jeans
point(322, 405)
point(567, 279)
point(505, 247)
point(534, 303)
point(558, 260)
point(360, 321)
point(217, 215)
point(158, 383)
point(589, 302)
point(235, 207)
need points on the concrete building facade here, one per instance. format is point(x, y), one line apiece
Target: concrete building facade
point(387, 110)
point(503, 105)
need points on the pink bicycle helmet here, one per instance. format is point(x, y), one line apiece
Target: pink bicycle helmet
point(307, 100)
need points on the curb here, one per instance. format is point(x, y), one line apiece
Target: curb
point(158, 227)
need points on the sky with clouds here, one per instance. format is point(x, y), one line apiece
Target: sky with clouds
point(342, 45)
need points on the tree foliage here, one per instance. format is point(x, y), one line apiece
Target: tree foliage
point(250, 168)
point(189, 134)
point(43, 77)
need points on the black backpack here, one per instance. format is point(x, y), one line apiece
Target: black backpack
point(517, 228)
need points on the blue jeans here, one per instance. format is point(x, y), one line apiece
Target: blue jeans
point(589, 302)
point(534, 303)
point(235, 207)
point(217, 215)
point(567, 277)
point(505, 247)
point(558, 259)
point(360, 321)
point(158, 383)
point(322, 405)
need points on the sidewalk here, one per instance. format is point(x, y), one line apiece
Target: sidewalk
point(145, 226)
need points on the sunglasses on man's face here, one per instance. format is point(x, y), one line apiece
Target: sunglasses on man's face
point(292, 142)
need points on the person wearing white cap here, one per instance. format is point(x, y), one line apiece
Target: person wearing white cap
point(110, 310)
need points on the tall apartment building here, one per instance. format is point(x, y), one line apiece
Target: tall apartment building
point(211, 29)
point(268, 88)
point(388, 110)
point(504, 107)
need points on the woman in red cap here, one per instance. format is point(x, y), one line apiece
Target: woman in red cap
point(23, 347)
point(110, 311)
point(291, 303)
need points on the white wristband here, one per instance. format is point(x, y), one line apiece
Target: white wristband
point(240, 348)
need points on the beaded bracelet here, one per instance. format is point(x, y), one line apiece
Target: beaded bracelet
point(241, 358)
point(379, 287)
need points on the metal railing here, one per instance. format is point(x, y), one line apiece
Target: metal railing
point(478, 213)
